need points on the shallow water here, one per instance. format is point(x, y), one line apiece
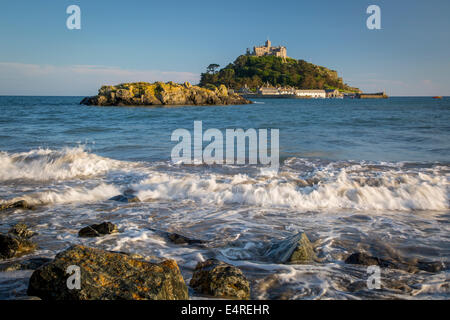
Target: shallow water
point(355, 175)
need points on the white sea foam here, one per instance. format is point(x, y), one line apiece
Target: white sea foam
point(47, 164)
point(71, 195)
point(338, 189)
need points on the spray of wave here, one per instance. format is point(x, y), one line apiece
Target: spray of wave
point(337, 189)
point(71, 195)
point(47, 164)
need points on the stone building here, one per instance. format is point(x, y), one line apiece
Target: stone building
point(268, 50)
point(333, 93)
point(268, 91)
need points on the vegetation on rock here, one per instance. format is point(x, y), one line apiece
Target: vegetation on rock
point(257, 71)
point(159, 93)
point(219, 279)
point(107, 276)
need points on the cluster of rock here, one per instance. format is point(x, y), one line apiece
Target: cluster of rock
point(106, 275)
point(159, 93)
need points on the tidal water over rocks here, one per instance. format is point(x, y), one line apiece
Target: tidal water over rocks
point(355, 176)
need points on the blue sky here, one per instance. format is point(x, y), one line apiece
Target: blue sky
point(175, 40)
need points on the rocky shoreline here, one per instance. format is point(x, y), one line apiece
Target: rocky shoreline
point(159, 93)
point(110, 275)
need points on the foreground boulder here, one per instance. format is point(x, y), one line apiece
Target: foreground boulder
point(107, 276)
point(219, 279)
point(159, 93)
point(295, 249)
point(98, 230)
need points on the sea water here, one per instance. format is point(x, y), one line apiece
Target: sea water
point(355, 175)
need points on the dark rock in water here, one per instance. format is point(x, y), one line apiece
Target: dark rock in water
point(431, 266)
point(21, 230)
point(179, 239)
point(98, 230)
point(125, 198)
point(107, 276)
point(366, 260)
point(12, 246)
point(22, 204)
point(295, 249)
point(30, 264)
point(219, 279)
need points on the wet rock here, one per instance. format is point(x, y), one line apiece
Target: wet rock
point(412, 267)
point(21, 204)
point(30, 264)
point(366, 260)
point(431, 266)
point(125, 198)
point(294, 249)
point(107, 276)
point(179, 239)
point(98, 230)
point(21, 230)
point(219, 279)
point(12, 246)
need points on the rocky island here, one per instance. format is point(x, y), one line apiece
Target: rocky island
point(160, 93)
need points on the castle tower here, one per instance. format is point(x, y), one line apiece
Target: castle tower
point(268, 43)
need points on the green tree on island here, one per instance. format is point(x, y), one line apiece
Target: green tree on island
point(257, 71)
point(212, 68)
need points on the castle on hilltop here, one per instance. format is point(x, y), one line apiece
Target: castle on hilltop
point(268, 50)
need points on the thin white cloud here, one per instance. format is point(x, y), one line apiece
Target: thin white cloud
point(32, 79)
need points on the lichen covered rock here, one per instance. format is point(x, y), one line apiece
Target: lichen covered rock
point(107, 276)
point(160, 93)
point(219, 279)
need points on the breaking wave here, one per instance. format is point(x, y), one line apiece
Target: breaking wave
point(47, 164)
point(71, 195)
point(303, 185)
point(325, 189)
